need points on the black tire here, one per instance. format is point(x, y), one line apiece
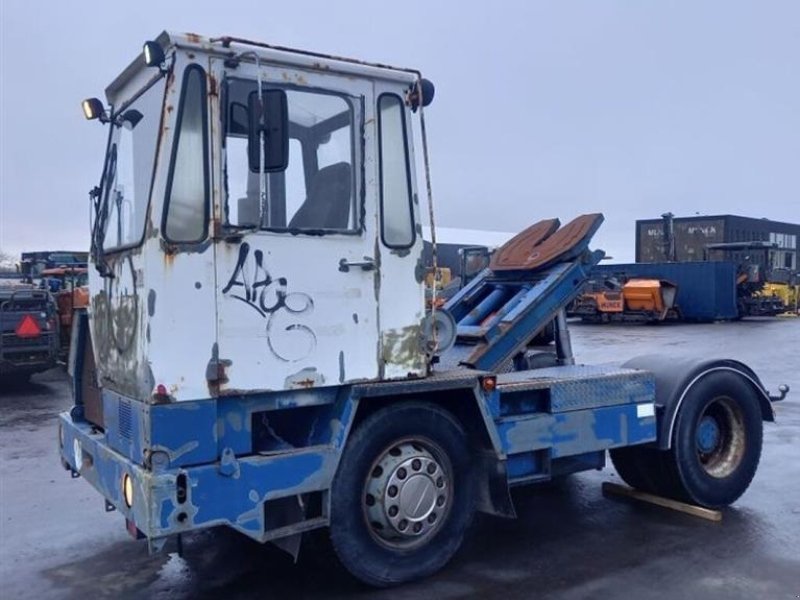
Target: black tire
point(717, 476)
point(366, 551)
point(720, 477)
point(640, 468)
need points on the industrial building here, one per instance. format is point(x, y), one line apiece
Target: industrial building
point(773, 244)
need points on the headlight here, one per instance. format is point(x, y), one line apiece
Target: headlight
point(127, 490)
point(77, 454)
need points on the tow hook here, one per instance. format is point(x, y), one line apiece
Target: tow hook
point(783, 389)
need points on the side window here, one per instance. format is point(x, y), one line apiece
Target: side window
point(186, 216)
point(397, 216)
point(316, 192)
point(129, 168)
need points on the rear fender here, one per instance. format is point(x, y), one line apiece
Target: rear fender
point(675, 376)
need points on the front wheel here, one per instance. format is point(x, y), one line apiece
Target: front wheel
point(403, 496)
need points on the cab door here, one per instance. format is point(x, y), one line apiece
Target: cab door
point(295, 265)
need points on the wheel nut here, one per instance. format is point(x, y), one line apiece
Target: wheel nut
point(401, 473)
point(431, 517)
point(417, 527)
point(440, 482)
point(403, 525)
point(392, 491)
point(440, 501)
point(431, 468)
point(393, 511)
point(416, 464)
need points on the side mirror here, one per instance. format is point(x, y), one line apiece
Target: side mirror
point(271, 119)
point(153, 54)
point(93, 109)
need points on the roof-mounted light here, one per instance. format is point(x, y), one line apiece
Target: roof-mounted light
point(93, 109)
point(425, 89)
point(153, 54)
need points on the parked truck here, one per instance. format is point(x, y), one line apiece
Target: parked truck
point(69, 286)
point(29, 331)
point(258, 356)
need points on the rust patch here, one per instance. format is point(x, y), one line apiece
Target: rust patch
point(169, 255)
point(194, 38)
point(217, 229)
point(216, 372)
point(519, 254)
point(304, 379)
point(212, 85)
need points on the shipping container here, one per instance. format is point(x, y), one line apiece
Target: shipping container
point(706, 290)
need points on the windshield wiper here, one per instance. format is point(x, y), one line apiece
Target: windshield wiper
point(98, 233)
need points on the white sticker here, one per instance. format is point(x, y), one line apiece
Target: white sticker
point(646, 410)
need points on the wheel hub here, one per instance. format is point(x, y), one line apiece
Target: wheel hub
point(720, 437)
point(708, 434)
point(407, 494)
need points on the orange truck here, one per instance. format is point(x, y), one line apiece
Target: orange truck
point(643, 300)
point(69, 286)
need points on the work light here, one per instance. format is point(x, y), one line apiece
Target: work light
point(127, 490)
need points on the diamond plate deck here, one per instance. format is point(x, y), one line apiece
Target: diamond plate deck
point(581, 387)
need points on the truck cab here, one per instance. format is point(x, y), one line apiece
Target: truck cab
point(269, 277)
point(257, 353)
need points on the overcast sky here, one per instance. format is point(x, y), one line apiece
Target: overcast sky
point(542, 109)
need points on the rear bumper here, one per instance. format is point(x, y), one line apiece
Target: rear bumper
point(20, 358)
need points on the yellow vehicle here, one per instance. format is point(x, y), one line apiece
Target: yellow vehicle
point(789, 295)
point(441, 278)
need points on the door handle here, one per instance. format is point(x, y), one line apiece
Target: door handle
point(368, 264)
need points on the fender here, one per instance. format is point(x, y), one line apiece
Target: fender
point(675, 376)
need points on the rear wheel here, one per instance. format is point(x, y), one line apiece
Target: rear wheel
point(717, 441)
point(403, 496)
point(716, 446)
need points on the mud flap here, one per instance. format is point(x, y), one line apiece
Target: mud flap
point(492, 493)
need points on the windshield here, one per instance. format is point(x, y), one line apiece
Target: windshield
point(129, 168)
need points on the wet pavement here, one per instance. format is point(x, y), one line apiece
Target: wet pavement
point(569, 541)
